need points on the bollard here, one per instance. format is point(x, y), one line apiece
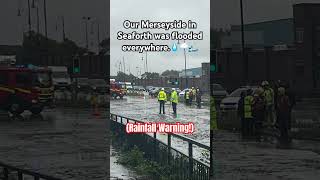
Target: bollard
point(169, 148)
point(190, 161)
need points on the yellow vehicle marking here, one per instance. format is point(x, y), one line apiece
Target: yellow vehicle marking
point(6, 89)
point(23, 90)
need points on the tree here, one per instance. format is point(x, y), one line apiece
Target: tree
point(170, 73)
point(104, 46)
point(150, 75)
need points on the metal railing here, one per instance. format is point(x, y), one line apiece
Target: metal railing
point(21, 174)
point(180, 166)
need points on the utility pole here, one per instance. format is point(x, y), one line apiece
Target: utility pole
point(45, 17)
point(63, 31)
point(29, 16)
point(86, 22)
point(185, 66)
point(38, 21)
point(244, 59)
point(98, 37)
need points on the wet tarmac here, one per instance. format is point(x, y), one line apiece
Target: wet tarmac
point(237, 159)
point(64, 142)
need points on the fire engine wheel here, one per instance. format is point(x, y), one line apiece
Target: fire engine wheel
point(36, 110)
point(15, 109)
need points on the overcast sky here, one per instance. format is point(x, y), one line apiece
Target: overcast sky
point(168, 10)
point(224, 13)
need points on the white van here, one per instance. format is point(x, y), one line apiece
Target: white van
point(60, 77)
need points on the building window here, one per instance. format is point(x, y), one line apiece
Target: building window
point(299, 35)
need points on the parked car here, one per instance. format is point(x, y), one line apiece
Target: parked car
point(98, 85)
point(181, 94)
point(81, 84)
point(138, 88)
point(231, 101)
point(178, 90)
point(148, 88)
point(153, 91)
point(218, 92)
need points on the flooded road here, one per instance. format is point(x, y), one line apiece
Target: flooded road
point(147, 109)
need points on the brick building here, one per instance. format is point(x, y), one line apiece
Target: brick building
point(299, 65)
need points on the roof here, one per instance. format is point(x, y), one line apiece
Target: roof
point(261, 34)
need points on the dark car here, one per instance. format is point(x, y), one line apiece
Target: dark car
point(82, 85)
point(98, 86)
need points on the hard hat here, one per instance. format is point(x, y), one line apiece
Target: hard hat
point(162, 89)
point(173, 89)
point(281, 91)
point(265, 83)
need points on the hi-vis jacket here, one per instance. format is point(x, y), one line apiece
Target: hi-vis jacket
point(174, 97)
point(162, 96)
point(248, 102)
point(213, 114)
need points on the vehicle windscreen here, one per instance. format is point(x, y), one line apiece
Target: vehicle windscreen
point(217, 87)
point(63, 75)
point(237, 93)
point(83, 81)
point(42, 79)
point(98, 82)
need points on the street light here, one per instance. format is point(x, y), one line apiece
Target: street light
point(86, 19)
point(184, 46)
point(245, 63)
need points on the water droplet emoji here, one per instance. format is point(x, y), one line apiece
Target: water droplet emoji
point(174, 47)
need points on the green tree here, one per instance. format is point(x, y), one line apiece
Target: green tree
point(171, 73)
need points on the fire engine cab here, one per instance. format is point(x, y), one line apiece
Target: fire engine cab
point(25, 88)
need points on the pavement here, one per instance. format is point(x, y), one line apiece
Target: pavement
point(67, 143)
point(237, 159)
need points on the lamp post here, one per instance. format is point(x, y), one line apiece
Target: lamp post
point(45, 17)
point(244, 59)
point(86, 19)
point(184, 46)
point(29, 16)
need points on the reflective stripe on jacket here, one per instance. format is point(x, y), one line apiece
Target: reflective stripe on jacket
point(248, 102)
point(187, 95)
point(174, 97)
point(269, 96)
point(162, 96)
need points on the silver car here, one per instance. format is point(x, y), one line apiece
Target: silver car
point(218, 92)
point(231, 101)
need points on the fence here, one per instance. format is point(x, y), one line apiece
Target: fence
point(21, 174)
point(178, 165)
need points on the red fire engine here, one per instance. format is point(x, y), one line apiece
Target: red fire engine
point(24, 88)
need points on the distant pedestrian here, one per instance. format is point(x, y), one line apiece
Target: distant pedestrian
point(292, 99)
point(269, 101)
point(194, 92)
point(283, 111)
point(187, 97)
point(198, 98)
point(162, 98)
point(174, 100)
point(241, 113)
point(248, 102)
point(258, 111)
point(191, 96)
